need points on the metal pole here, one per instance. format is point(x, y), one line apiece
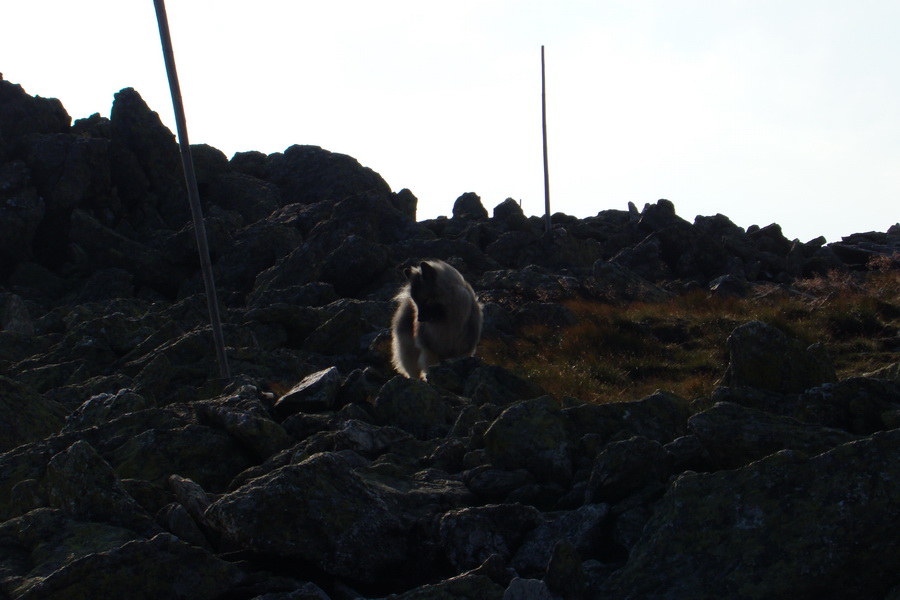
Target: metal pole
point(193, 193)
point(549, 225)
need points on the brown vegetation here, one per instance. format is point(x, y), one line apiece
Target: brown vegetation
point(626, 352)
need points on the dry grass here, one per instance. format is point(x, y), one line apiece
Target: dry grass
point(617, 353)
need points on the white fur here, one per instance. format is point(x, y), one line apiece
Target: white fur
point(417, 345)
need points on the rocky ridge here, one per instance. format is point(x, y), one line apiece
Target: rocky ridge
point(129, 469)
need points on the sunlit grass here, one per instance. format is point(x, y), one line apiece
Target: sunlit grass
point(626, 352)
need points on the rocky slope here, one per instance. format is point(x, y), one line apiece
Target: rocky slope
point(128, 469)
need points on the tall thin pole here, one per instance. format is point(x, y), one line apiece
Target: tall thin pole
point(193, 193)
point(549, 225)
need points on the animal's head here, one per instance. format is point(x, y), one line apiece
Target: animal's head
point(425, 290)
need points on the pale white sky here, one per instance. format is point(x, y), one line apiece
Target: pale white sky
point(766, 111)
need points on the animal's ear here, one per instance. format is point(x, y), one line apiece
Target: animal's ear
point(408, 273)
point(429, 274)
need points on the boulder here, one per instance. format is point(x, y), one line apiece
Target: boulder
point(21, 114)
point(330, 511)
point(662, 417)
point(509, 214)
point(146, 165)
point(83, 485)
point(469, 207)
point(583, 528)
point(616, 282)
point(26, 416)
point(248, 196)
point(245, 418)
point(533, 435)
point(69, 171)
point(712, 533)
point(627, 467)
point(734, 436)
point(22, 210)
point(88, 559)
point(309, 174)
point(764, 357)
point(471, 586)
point(316, 392)
point(860, 405)
point(469, 536)
point(104, 247)
point(415, 407)
point(14, 316)
point(105, 407)
point(528, 589)
point(208, 456)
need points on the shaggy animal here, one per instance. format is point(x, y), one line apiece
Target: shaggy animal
point(438, 317)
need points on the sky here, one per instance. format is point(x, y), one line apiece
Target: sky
point(765, 111)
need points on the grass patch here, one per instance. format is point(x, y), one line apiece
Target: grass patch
point(626, 352)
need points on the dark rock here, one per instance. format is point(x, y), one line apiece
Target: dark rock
point(734, 436)
point(210, 457)
point(250, 197)
point(729, 286)
point(469, 586)
point(565, 573)
point(209, 164)
point(21, 114)
point(764, 400)
point(661, 417)
point(712, 533)
point(763, 357)
point(353, 265)
point(859, 405)
point(496, 484)
point(343, 333)
point(582, 528)
point(309, 174)
point(509, 213)
point(413, 406)
point(45, 541)
point(644, 259)
point(516, 249)
point(69, 171)
point(626, 467)
point(105, 247)
point(316, 392)
point(349, 522)
point(461, 254)
point(616, 282)
point(528, 589)
point(84, 487)
point(146, 164)
point(659, 216)
point(175, 519)
point(405, 203)
point(21, 211)
point(469, 536)
point(105, 407)
point(533, 435)
point(687, 453)
point(251, 163)
point(14, 315)
point(106, 284)
point(371, 441)
point(26, 416)
point(244, 417)
point(161, 567)
point(469, 206)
